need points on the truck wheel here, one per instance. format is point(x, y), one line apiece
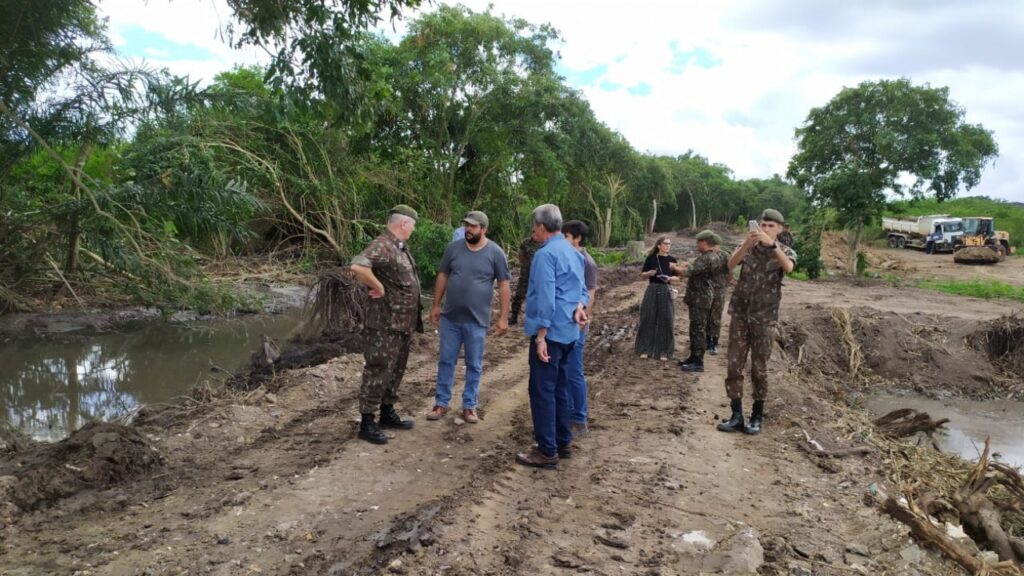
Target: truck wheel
point(901, 242)
point(893, 241)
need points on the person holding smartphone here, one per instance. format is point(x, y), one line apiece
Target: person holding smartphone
point(655, 336)
point(754, 311)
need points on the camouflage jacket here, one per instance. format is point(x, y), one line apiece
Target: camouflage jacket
point(720, 280)
point(702, 276)
point(527, 248)
point(758, 292)
point(392, 264)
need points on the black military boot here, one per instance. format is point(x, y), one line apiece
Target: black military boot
point(513, 318)
point(688, 360)
point(713, 347)
point(369, 431)
point(756, 418)
point(693, 364)
point(390, 419)
point(734, 423)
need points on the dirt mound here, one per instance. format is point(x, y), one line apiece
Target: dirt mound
point(97, 456)
point(862, 346)
point(835, 253)
point(1003, 341)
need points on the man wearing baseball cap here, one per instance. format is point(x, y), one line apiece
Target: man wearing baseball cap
point(386, 267)
point(754, 311)
point(465, 285)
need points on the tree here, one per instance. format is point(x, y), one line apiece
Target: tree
point(870, 140)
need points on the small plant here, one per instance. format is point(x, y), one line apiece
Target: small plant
point(986, 289)
point(862, 263)
point(607, 258)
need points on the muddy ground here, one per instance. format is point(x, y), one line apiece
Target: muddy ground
point(273, 481)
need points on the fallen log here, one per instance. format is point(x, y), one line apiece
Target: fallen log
point(907, 422)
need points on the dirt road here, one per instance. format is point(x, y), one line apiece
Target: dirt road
point(277, 483)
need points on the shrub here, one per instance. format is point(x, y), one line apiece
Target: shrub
point(427, 245)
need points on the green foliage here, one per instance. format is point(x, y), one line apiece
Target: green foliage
point(607, 258)
point(808, 255)
point(427, 245)
point(1008, 216)
point(862, 263)
point(986, 289)
point(800, 275)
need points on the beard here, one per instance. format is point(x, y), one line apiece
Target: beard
point(472, 238)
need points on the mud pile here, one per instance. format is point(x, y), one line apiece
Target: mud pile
point(96, 457)
point(862, 347)
point(1003, 341)
point(835, 253)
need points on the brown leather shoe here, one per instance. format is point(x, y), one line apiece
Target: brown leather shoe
point(537, 459)
point(437, 413)
point(469, 415)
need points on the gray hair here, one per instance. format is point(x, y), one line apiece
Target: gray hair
point(397, 218)
point(548, 216)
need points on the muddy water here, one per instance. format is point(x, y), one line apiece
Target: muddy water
point(970, 422)
point(50, 387)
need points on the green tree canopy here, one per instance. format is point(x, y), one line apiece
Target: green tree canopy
point(873, 139)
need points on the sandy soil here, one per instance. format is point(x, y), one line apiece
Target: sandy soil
point(277, 483)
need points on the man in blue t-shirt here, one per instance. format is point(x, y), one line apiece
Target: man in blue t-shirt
point(555, 308)
point(465, 284)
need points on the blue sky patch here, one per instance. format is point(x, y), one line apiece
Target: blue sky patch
point(581, 78)
point(641, 89)
point(682, 59)
point(142, 43)
point(609, 86)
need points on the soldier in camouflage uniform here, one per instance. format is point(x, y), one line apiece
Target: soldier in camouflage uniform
point(720, 283)
point(527, 248)
point(393, 314)
point(754, 311)
point(701, 277)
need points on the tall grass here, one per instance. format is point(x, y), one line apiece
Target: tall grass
point(976, 289)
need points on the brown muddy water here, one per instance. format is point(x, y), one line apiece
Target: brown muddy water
point(969, 423)
point(48, 387)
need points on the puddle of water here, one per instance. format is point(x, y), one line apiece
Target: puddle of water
point(48, 388)
point(969, 423)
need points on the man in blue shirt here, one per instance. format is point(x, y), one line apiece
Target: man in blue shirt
point(556, 299)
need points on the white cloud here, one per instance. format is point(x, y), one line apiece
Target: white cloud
point(776, 60)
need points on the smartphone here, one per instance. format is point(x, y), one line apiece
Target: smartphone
point(753, 226)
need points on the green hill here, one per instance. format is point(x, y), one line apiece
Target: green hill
point(1009, 216)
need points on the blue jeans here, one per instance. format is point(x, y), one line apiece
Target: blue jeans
point(550, 403)
point(578, 382)
point(455, 335)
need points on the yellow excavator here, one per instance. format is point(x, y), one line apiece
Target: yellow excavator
point(981, 242)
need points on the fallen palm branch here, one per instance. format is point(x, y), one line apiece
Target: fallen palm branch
point(336, 304)
point(844, 325)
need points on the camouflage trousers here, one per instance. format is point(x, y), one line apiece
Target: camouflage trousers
point(756, 337)
point(520, 294)
point(700, 311)
point(386, 355)
point(714, 329)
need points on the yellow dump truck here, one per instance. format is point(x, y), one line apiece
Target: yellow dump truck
point(981, 242)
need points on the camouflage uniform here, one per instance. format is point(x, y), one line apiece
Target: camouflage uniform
point(389, 321)
point(527, 249)
point(701, 279)
point(720, 282)
point(754, 311)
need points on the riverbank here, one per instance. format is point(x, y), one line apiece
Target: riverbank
point(273, 481)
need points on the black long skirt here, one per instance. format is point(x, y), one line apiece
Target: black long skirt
point(655, 336)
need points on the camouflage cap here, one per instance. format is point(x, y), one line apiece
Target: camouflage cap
point(709, 237)
point(476, 218)
point(404, 210)
point(773, 215)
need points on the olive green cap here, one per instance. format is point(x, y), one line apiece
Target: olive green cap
point(709, 237)
point(405, 210)
point(476, 218)
point(773, 215)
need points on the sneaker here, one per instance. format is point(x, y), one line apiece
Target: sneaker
point(469, 415)
point(437, 413)
point(643, 356)
point(537, 459)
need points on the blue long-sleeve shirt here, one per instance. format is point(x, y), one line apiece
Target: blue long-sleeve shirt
point(556, 288)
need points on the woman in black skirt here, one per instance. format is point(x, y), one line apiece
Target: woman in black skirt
point(655, 337)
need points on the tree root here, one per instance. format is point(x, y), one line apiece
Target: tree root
point(907, 422)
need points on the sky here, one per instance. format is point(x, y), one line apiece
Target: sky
point(728, 79)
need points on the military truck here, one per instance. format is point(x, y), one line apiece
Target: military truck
point(934, 233)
